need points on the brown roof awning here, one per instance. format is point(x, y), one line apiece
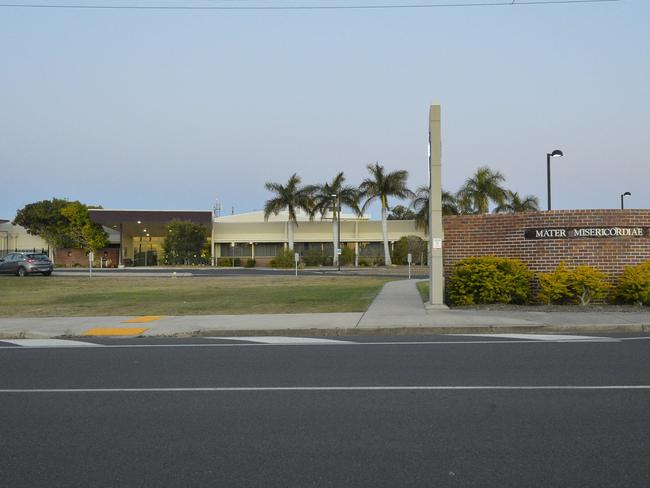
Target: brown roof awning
point(133, 222)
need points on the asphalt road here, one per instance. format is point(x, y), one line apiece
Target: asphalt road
point(431, 412)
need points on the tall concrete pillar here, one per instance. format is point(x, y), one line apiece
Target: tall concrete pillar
point(436, 283)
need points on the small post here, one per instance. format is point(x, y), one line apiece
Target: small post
point(296, 258)
point(409, 258)
point(91, 257)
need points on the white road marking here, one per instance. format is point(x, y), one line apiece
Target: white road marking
point(48, 343)
point(331, 343)
point(543, 337)
point(284, 340)
point(326, 388)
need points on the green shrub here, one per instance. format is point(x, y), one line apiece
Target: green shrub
point(554, 287)
point(489, 280)
point(588, 284)
point(347, 256)
point(237, 262)
point(250, 263)
point(408, 244)
point(578, 285)
point(378, 262)
point(634, 285)
point(363, 262)
point(283, 259)
point(224, 262)
point(313, 257)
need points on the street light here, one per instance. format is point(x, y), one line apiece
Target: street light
point(337, 208)
point(626, 194)
point(555, 154)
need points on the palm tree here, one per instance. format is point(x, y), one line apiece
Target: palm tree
point(421, 205)
point(515, 203)
point(381, 186)
point(292, 197)
point(325, 199)
point(484, 186)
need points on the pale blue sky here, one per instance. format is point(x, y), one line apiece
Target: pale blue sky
point(172, 109)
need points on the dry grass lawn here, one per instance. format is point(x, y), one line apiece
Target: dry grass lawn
point(38, 296)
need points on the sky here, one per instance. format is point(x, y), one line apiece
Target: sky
point(174, 109)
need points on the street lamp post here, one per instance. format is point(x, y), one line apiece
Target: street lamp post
point(626, 194)
point(555, 154)
point(338, 234)
point(337, 212)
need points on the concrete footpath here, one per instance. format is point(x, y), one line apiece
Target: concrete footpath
point(397, 309)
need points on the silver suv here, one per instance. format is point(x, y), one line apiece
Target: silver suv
point(24, 263)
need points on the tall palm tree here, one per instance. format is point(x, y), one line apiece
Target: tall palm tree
point(481, 189)
point(291, 197)
point(380, 186)
point(325, 198)
point(421, 205)
point(516, 203)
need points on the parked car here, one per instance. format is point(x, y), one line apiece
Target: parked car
point(24, 263)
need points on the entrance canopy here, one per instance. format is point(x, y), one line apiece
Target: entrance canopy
point(134, 222)
point(142, 232)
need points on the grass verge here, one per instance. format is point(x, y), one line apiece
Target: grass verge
point(423, 288)
point(37, 296)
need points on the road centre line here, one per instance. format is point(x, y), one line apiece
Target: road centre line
point(326, 388)
point(346, 344)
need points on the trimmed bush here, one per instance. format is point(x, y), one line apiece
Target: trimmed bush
point(283, 259)
point(634, 285)
point(578, 285)
point(250, 263)
point(408, 244)
point(363, 262)
point(224, 262)
point(489, 279)
point(347, 256)
point(554, 287)
point(313, 257)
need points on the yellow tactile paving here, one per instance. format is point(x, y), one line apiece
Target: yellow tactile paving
point(115, 331)
point(144, 319)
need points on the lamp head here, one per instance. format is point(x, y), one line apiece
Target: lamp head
point(557, 154)
point(627, 194)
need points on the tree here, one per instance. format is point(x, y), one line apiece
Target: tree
point(400, 212)
point(380, 186)
point(44, 219)
point(324, 199)
point(62, 224)
point(291, 197)
point(481, 189)
point(81, 231)
point(413, 245)
point(515, 203)
point(420, 204)
point(184, 242)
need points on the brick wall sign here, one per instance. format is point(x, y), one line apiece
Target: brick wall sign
point(581, 232)
point(606, 239)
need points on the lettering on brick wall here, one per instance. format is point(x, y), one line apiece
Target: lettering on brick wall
point(588, 232)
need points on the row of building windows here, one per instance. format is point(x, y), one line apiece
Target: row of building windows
point(271, 249)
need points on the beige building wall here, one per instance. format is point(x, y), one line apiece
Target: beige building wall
point(14, 237)
point(251, 228)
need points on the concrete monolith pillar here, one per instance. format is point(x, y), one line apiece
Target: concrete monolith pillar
point(436, 281)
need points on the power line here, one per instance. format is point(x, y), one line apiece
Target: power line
point(514, 3)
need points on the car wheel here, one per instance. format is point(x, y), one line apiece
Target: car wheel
point(47, 273)
point(22, 272)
